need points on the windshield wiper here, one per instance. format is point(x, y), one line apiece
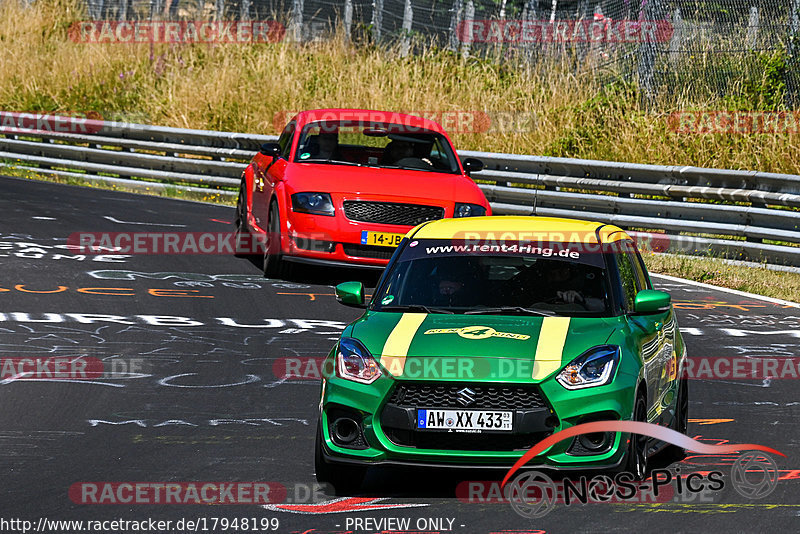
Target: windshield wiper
point(331, 161)
point(416, 307)
point(507, 309)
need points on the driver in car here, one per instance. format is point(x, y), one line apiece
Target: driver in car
point(559, 282)
point(401, 153)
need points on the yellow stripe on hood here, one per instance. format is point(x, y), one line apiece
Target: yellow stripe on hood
point(395, 350)
point(550, 347)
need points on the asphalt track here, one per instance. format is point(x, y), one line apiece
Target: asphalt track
point(206, 402)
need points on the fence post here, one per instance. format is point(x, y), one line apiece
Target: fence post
point(244, 10)
point(455, 25)
point(408, 18)
point(752, 28)
point(297, 21)
point(122, 12)
point(792, 62)
point(529, 14)
point(348, 18)
point(647, 54)
point(377, 19)
point(677, 36)
point(469, 17)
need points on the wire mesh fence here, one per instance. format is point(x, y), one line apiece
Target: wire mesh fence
point(745, 51)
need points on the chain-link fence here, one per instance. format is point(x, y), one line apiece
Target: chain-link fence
point(741, 50)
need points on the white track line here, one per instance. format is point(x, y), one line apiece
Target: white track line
point(727, 290)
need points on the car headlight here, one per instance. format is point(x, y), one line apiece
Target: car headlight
point(469, 210)
point(315, 203)
point(354, 362)
point(595, 367)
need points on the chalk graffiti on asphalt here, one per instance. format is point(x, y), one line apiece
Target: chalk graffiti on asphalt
point(38, 251)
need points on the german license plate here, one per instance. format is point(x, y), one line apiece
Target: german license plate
point(464, 420)
point(381, 239)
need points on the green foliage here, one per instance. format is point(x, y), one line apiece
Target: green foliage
point(595, 120)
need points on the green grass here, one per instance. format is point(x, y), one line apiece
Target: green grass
point(242, 87)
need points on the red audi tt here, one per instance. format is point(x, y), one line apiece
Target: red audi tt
point(343, 186)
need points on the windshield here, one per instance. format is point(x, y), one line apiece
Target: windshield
point(442, 278)
point(383, 145)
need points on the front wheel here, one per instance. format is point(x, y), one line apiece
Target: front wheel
point(274, 265)
point(635, 461)
point(344, 478)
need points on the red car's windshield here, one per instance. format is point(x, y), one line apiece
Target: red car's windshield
point(378, 145)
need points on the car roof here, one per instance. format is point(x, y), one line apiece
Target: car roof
point(521, 228)
point(366, 116)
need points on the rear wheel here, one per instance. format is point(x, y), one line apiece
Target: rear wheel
point(681, 419)
point(241, 236)
point(274, 266)
point(344, 478)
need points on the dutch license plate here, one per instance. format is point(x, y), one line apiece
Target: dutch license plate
point(464, 420)
point(381, 239)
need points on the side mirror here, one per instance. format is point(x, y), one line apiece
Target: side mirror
point(472, 165)
point(351, 294)
point(271, 149)
point(649, 301)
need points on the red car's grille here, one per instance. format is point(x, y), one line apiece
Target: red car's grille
point(368, 251)
point(391, 213)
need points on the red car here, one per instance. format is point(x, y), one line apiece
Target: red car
point(343, 186)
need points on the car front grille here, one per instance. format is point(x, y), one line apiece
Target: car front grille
point(368, 251)
point(458, 441)
point(391, 213)
point(488, 397)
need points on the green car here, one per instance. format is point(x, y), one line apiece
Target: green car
point(486, 335)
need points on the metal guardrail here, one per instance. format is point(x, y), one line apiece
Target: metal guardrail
point(671, 204)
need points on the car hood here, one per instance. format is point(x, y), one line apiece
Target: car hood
point(457, 347)
point(342, 179)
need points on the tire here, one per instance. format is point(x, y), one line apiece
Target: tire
point(274, 265)
point(676, 453)
point(344, 478)
point(239, 242)
point(635, 461)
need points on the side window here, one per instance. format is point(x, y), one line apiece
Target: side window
point(639, 270)
point(628, 279)
point(285, 140)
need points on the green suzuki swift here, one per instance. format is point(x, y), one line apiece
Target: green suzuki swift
point(486, 335)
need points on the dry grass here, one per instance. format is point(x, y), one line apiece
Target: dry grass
point(241, 88)
point(759, 280)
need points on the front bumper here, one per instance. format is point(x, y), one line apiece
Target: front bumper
point(379, 421)
point(330, 240)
